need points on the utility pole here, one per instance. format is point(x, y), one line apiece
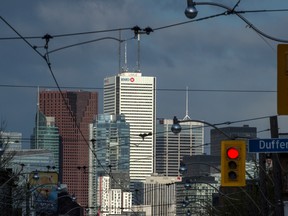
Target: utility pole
point(277, 177)
point(263, 184)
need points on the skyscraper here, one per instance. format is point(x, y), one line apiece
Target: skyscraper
point(111, 146)
point(73, 112)
point(133, 95)
point(170, 148)
point(46, 136)
point(112, 143)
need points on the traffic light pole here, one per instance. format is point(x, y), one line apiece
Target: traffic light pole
point(279, 211)
point(263, 184)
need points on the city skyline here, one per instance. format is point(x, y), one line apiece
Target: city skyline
point(230, 70)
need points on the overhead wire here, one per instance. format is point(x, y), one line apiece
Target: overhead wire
point(68, 34)
point(157, 89)
point(46, 56)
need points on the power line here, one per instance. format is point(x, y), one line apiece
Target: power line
point(46, 58)
point(158, 89)
point(68, 34)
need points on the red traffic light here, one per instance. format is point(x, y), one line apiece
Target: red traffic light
point(232, 153)
point(233, 159)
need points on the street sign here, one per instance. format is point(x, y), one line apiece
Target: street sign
point(268, 145)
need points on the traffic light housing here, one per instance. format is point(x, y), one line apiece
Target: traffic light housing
point(282, 79)
point(233, 158)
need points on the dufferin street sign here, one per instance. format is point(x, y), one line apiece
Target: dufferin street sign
point(268, 145)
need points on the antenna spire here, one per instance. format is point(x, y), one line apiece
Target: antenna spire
point(187, 105)
point(125, 57)
point(138, 61)
point(119, 63)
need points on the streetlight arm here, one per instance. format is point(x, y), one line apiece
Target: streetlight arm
point(237, 13)
point(177, 125)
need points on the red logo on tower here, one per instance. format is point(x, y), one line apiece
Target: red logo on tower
point(132, 79)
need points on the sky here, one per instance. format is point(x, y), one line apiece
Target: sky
point(229, 69)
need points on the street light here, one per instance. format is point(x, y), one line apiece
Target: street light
point(176, 127)
point(191, 12)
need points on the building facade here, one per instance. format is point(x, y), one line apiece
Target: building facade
point(30, 160)
point(10, 141)
point(171, 148)
point(46, 136)
point(194, 195)
point(159, 192)
point(111, 153)
point(73, 111)
point(112, 201)
point(134, 96)
point(244, 132)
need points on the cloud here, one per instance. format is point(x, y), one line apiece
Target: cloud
point(218, 53)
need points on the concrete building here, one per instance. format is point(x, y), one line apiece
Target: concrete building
point(73, 111)
point(171, 148)
point(134, 95)
point(159, 194)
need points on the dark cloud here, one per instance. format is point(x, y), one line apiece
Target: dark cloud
point(219, 53)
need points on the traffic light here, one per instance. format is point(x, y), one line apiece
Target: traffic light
point(233, 157)
point(282, 79)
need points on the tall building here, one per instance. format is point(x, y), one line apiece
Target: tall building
point(73, 111)
point(133, 95)
point(217, 136)
point(111, 146)
point(112, 140)
point(171, 148)
point(46, 136)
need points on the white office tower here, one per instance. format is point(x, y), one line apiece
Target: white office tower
point(171, 148)
point(134, 96)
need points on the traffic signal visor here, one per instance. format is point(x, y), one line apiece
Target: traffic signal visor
point(233, 158)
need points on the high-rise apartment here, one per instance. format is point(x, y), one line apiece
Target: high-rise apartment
point(133, 95)
point(171, 148)
point(73, 112)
